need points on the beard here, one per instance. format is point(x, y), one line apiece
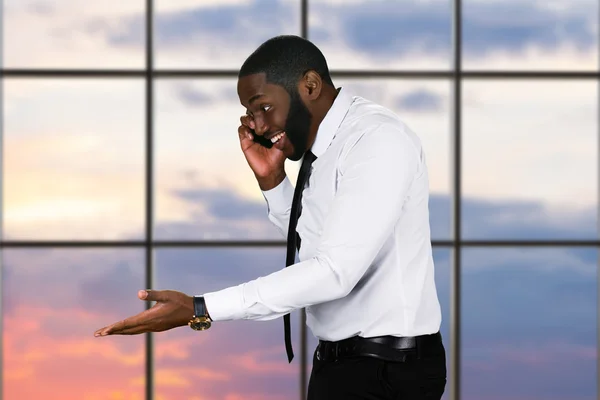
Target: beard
point(297, 125)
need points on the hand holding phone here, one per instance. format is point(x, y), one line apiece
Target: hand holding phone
point(266, 161)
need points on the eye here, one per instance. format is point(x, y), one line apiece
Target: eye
point(265, 108)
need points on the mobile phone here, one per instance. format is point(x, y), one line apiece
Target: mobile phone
point(261, 140)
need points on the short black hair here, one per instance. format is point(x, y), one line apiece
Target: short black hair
point(285, 59)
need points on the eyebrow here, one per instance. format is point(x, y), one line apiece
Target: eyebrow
point(255, 97)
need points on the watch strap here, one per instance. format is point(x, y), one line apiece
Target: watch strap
point(200, 306)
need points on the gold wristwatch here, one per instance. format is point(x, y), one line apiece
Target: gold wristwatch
point(201, 320)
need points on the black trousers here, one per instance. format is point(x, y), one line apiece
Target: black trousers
point(420, 377)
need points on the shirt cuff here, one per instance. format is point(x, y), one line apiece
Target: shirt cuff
point(226, 304)
point(279, 199)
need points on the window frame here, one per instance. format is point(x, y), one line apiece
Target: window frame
point(455, 75)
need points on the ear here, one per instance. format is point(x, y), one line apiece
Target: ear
point(310, 86)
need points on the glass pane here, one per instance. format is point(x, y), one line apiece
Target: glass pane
point(205, 188)
point(443, 276)
point(211, 34)
point(529, 324)
point(233, 359)
point(530, 35)
point(74, 34)
point(425, 106)
point(74, 159)
point(383, 34)
point(530, 159)
point(53, 301)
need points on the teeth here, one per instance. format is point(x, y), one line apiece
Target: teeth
point(276, 138)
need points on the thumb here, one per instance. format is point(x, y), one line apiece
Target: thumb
point(151, 295)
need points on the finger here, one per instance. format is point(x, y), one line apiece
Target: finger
point(246, 138)
point(108, 330)
point(134, 330)
point(247, 121)
point(153, 295)
point(118, 328)
point(244, 133)
point(135, 321)
point(114, 329)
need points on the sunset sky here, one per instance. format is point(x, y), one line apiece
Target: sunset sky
point(74, 169)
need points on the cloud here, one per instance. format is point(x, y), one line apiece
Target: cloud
point(39, 355)
point(116, 363)
point(521, 310)
point(528, 306)
point(382, 30)
point(129, 33)
point(254, 362)
point(514, 26)
point(256, 21)
point(228, 215)
point(541, 300)
point(70, 34)
point(41, 8)
point(93, 292)
point(223, 204)
point(372, 34)
point(98, 167)
point(29, 274)
point(498, 303)
point(482, 218)
point(199, 95)
point(192, 96)
point(530, 372)
point(80, 125)
point(184, 377)
point(489, 219)
point(92, 288)
point(421, 101)
point(498, 300)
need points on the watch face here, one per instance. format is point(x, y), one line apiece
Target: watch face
point(199, 324)
point(204, 325)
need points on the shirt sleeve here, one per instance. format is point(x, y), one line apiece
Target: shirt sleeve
point(279, 204)
point(376, 175)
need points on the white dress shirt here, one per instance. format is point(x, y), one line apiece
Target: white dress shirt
point(365, 265)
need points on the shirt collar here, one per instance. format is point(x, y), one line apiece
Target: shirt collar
point(332, 121)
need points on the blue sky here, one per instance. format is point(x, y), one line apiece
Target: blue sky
point(376, 34)
point(380, 28)
point(530, 163)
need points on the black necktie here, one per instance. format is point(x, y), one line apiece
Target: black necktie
point(293, 240)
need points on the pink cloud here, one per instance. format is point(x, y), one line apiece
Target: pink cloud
point(43, 364)
point(253, 362)
point(184, 376)
point(55, 356)
point(250, 396)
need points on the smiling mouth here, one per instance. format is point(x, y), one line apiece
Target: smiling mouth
point(275, 138)
point(272, 135)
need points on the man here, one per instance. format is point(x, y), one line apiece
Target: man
point(366, 272)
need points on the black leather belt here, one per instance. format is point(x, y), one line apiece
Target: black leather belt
point(389, 348)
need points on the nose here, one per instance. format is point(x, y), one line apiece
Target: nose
point(261, 126)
